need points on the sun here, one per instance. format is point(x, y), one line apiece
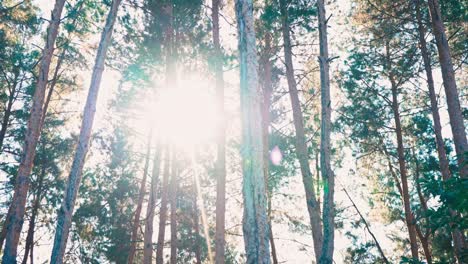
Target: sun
point(185, 116)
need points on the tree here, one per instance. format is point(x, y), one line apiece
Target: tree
point(255, 222)
point(450, 85)
point(66, 211)
point(16, 213)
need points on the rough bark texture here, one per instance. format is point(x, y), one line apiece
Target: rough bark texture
point(148, 236)
point(451, 91)
point(255, 222)
point(301, 143)
point(221, 140)
point(409, 217)
point(163, 209)
point(325, 144)
point(173, 189)
point(141, 195)
point(15, 217)
point(74, 179)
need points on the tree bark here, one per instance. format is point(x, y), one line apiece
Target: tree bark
point(66, 210)
point(18, 204)
point(328, 214)
point(409, 217)
point(255, 222)
point(301, 143)
point(451, 91)
point(196, 224)
point(148, 236)
point(163, 210)
point(173, 189)
point(221, 140)
point(141, 195)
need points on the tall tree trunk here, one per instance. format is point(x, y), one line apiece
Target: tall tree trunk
point(163, 209)
point(325, 144)
point(255, 221)
point(173, 189)
point(409, 217)
point(377, 244)
point(221, 141)
point(141, 195)
point(266, 66)
point(301, 143)
point(450, 85)
point(148, 236)
point(66, 210)
point(18, 204)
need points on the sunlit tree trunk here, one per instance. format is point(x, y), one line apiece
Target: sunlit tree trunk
point(301, 143)
point(451, 91)
point(325, 144)
point(169, 168)
point(74, 179)
point(173, 189)
point(141, 195)
point(15, 215)
point(409, 217)
point(221, 141)
point(196, 224)
point(148, 236)
point(255, 222)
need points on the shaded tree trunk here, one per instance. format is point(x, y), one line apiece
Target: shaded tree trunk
point(301, 144)
point(148, 236)
point(163, 209)
point(141, 195)
point(16, 211)
point(325, 144)
point(451, 91)
point(28, 249)
point(173, 189)
point(255, 220)
point(7, 113)
point(66, 210)
point(221, 140)
point(409, 217)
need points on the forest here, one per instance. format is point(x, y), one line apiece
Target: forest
point(233, 131)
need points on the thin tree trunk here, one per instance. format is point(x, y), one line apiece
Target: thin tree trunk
point(451, 91)
point(377, 244)
point(328, 214)
point(136, 220)
point(163, 209)
point(32, 222)
point(66, 210)
point(409, 217)
point(255, 220)
point(7, 113)
point(267, 90)
point(301, 144)
point(18, 204)
point(221, 141)
point(148, 236)
point(196, 224)
point(173, 189)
